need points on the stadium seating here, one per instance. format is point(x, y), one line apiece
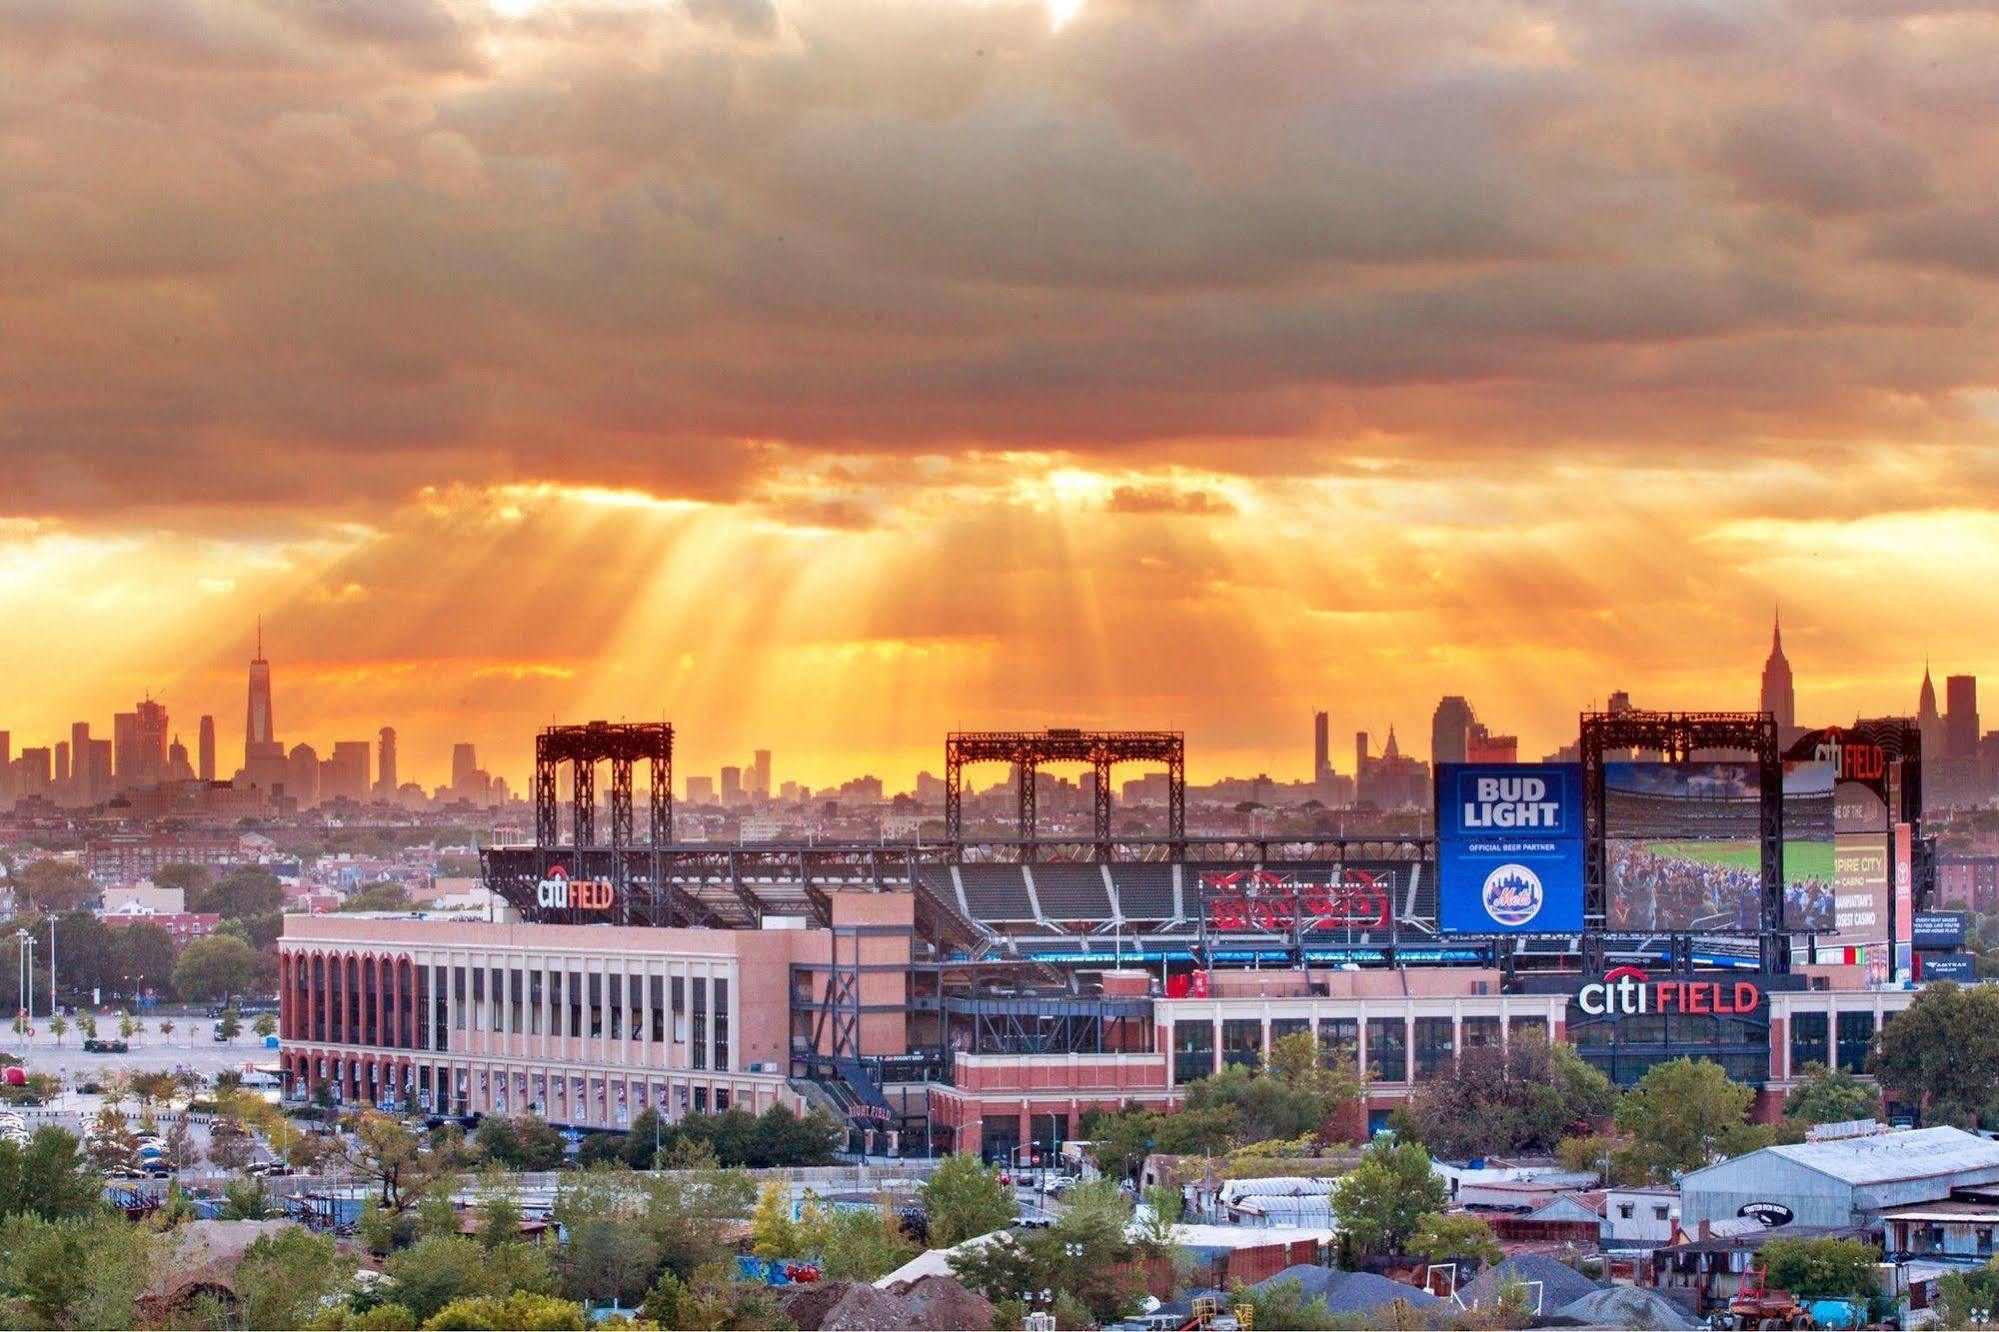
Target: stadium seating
point(1071, 892)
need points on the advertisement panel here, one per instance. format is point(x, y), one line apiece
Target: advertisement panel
point(1943, 930)
point(1509, 848)
point(1905, 899)
point(1809, 847)
point(1682, 851)
point(1860, 868)
point(1958, 967)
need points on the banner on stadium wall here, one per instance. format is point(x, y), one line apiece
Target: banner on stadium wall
point(1946, 966)
point(1942, 930)
point(1509, 848)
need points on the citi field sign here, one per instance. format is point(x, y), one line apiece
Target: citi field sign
point(1628, 991)
point(560, 891)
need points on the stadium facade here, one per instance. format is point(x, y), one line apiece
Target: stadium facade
point(986, 993)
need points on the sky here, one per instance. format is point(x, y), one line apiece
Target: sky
point(823, 375)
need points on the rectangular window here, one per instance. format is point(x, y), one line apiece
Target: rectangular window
point(1856, 1041)
point(1242, 1042)
point(700, 1100)
point(721, 1099)
point(1282, 1027)
point(423, 1008)
point(699, 1036)
point(576, 1027)
point(498, 996)
point(1435, 1046)
point(721, 1030)
point(1481, 1033)
point(1808, 1041)
point(679, 1010)
point(1193, 1051)
point(596, 1005)
point(535, 978)
point(516, 991)
point(458, 998)
point(635, 1000)
point(656, 989)
point(558, 1005)
point(1388, 1049)
point(1339, 1039)
point(1533, 1029)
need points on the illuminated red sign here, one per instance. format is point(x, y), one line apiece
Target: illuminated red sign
point(1243, 901)
point(1854, 760)
point(1628, 990)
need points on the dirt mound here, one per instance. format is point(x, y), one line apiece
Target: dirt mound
point(941, 1304)
point(928, 1304)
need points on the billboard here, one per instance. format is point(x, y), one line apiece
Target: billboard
point(1960, 967)
point(1810, 850)
point(1682, 847)
point(1938, 930)
point(1509, 848)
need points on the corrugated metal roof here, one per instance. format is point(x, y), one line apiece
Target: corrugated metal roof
point(1888, 1157)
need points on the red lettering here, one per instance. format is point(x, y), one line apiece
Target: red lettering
point(1668, 995)
point(1700, 997)
point(1747, 996)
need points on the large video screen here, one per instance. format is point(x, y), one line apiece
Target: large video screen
point(1509, 848)
point(1809, 847)
point(1860, 870)
point(1682, 850)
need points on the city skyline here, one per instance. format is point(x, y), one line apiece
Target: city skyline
point(1952, 731)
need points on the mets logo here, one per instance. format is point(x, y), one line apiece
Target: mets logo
point(1512, 895)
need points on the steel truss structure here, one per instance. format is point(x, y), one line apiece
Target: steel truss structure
point(1675, 737)
point(1028, 750)
point(621, 744)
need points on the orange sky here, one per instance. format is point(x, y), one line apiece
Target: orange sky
point(825, 375)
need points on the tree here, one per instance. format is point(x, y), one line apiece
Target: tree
point(856, 1243)
point(53, 886)
point(1941, 1054)
point(397, 1157)
point(166, 1028)
point(1282, 1306)
point(1681, 1115)
point(1958, 1293)
point(773, 1228)
point(609, 1256)
point(1460, 1237)
point(146, 954)
point(283, 1279)
point(59, 1027)
point(713, 1298)
point(266, 1026)
point(115, 1143)
point(382, 895)
point(520, 1310)
point(1295, 1092)
point(1086, 1253)
point(50, 1177)
point(1523, 1098)
point(1382, 1201)
point(687, 1215)
point(242, 894)
point(192, 880)
point(1830, 1096)
point(215, 968)
point(1821, 1268)
point(229, 1026)
point(80, 1271)
point(441, 1268)
point(526, 1142)
point(963, 1198)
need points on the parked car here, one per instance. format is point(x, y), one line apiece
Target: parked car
point(96, 1046)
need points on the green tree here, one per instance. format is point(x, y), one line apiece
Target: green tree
point(265, 1025)
point(59, 1027)
point(1958, 1293)
point(1086, 1254)
point(399, 1158)
point(50, 1177)
point(711, 1298)
point(857, 1243)
point(380, 896)
point(145, 954)
point(774, 1231)
point(1821, 1268)
point(284, 1278)
point(192, 880)
point(1525, 1097)
point(1293, 1094)
point(1941, 1054)
point(1682, 1114)
point(441, 1268)
point(688, 1215)
point(527, 1142)
point(229, 1026)
point(1830, 1096)
point(520, 1310)
point(609, 1257)
point(1383, 1200)
point(964, 1197)
point(1459, 1237)
point(53, 886)
point(215, 968)
point(78, 1272)
point(242, 894)
point(1281, 1306)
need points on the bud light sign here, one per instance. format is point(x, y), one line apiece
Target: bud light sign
point(1509, 848)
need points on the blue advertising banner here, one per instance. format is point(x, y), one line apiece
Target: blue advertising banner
point(1938, 930)
point(1946, 966)
point(1509, 848)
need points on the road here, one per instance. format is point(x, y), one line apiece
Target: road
point(190, 1046)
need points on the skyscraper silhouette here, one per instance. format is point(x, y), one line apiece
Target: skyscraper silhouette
point(385, 763)
point(1779, 700)
point(206, 749)
point(263, 755)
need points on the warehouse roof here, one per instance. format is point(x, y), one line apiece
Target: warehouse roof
point(1885, 1158)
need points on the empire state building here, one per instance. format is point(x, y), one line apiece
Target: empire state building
point(263, 756)
point(1778, 698)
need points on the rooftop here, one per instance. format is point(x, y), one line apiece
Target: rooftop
point(1886, 1158)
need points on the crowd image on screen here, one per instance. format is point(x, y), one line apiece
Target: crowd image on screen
point(1808, 905)
point(1656, 890)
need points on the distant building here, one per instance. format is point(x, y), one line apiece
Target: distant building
point(1458, 736)
point(205, 748)
point(1322, 752)
point(1391, 781)
point(263, 757)
point(1778, 698)
point(345, 775)
point(700, 790)
point(385, 778)
point(183, 927)
point(732, 785)
point(301, 779)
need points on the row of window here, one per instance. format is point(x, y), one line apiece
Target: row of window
point(542, 1094)
point(1809, 1033)
point(510, 1001)
point(1385, 1053)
